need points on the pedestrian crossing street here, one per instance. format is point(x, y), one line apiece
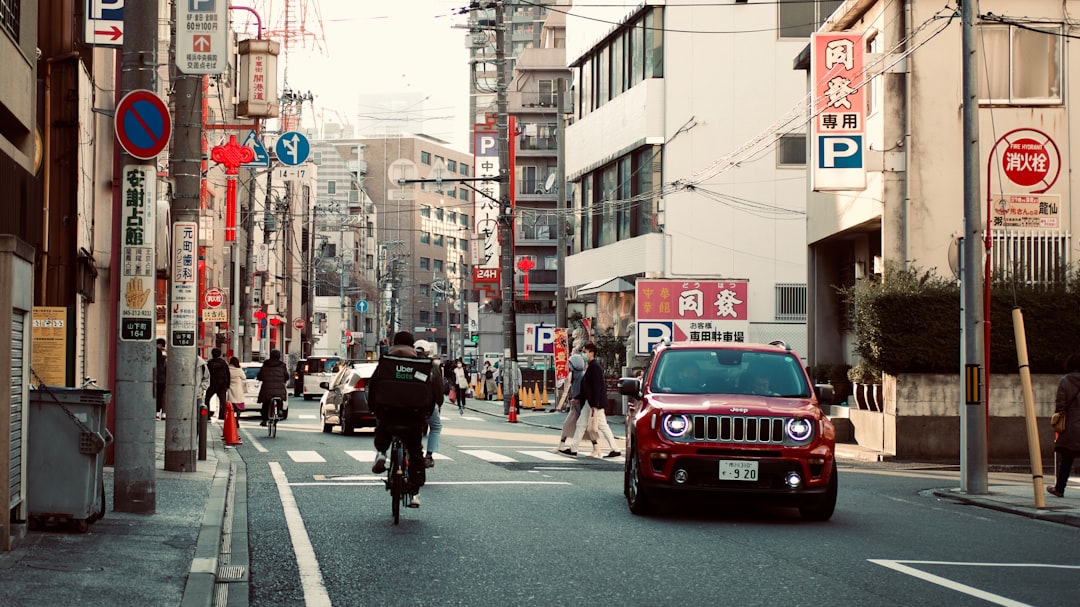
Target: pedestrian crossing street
point(490, 455)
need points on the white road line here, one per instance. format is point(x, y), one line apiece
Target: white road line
point(957, 586)
point(488, 456)
point(311, 579)
point(369, 456)
point(547, 456)
point(254, 441)
point(358, 483)
point(306, 457)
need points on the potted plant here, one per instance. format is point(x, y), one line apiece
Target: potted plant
point(866, 384)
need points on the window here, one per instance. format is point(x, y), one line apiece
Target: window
point(438, 241)
point(425, 316)
point(425, 263)
point(451, 268)
point(463, 244)
point(425, 211)
point(425, 237)
point(425, 290)
point(463, 194)
point(546, 93)
point(1019, 66)
point(464, 220)
point(451, 216)
point(369, 262)
point(440, 160)
point(439, 214)
point(791, 150)
point(331, 187)
point(425, 157)
point(464, 169)
point(371, 229)
point(791, 301)
point(438, 267)
point(799, 18)
point(316, 157)
point(451, 165)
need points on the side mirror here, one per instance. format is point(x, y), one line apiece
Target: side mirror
point(630, 386)
point(824, 393)
point(325, 385)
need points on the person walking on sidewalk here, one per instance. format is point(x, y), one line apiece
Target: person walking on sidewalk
point(423, 350)
point(159, 377)
point(490, 390)
point(219, 382)
point(594, 393)
point(274, 376)
point(461, 384)
point(576, 362)
point(1068, 442)
point(235, 395)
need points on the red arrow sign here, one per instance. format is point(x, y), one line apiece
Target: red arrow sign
point(201, 43)
point(114, 33)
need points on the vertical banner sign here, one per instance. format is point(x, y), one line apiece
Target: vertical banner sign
point(837, 75)
point(137, 307)
point(184, 299)
point(690, 310)
point(485, 205)
point(201, 36)
point(562, 356)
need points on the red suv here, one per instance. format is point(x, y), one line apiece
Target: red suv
point(731, 420)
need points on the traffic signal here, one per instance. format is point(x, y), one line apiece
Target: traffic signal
point(475, 338)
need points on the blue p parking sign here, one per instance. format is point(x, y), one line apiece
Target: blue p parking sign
point(840, 152)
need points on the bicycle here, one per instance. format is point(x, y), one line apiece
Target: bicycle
point(273, 415)
point(397, 476)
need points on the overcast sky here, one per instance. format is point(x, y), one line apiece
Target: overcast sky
point(372, 48)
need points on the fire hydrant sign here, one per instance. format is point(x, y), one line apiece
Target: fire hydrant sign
point(184, 300)
point(201, 36)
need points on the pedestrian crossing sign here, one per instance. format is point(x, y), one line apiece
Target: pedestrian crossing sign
point(262, 158)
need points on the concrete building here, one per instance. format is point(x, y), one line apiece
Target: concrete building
point(910, 209)
point(686, 155)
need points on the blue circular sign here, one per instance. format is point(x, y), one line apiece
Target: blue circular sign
point(362, 306)
point(292, 148)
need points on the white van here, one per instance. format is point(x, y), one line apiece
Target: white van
point(318, 369)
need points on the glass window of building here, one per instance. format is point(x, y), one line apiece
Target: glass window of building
point(464, 219)
point(331, 187)
point(425, 263)
point(425, 237)
point(425, 157)
point(451, 165)
point(791, 151)
point(438, 240)
point(438, 265)
point(1022, 64)
point(439, 214)
point(464, 169)
point(799, 18)
point(425, 211)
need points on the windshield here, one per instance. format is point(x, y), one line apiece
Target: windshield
point(251, 372)
point(323, 365)
point(721, 371)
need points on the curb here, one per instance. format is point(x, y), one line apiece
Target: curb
point(202, 577)
point(1049, 515)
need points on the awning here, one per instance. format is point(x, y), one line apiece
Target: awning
point(606, 285)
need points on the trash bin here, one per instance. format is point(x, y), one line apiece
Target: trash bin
point(65, 456)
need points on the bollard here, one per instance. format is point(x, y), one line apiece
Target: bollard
point(203, 413)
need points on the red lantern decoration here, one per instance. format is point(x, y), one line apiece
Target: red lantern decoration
point(525, 265)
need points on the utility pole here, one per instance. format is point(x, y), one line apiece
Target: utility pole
point(135, 488)
point(973, 416)
point(560, 205)
point(181, 409)
point(506, 211)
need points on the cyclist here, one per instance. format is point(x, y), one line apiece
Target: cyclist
point(274, 376)
point(408, 420)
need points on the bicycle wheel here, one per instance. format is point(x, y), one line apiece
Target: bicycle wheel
point(397, 481)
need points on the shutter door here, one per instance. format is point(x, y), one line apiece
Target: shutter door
point(18, 334)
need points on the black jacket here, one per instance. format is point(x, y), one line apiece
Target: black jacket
point(219, 374)
point(593, 389)
point(274, 376)
point(1068, 400)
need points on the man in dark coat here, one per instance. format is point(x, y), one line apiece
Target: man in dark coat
point(219, 380)
point(1068, 442)
point(274, 376)
point(407, 419)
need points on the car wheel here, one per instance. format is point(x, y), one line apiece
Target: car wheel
point(327, 428)
point(821, 507)
point(637, 497)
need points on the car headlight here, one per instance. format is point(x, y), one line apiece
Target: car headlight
point(799, 429)
point(676, 425)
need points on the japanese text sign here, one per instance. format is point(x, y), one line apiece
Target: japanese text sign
point(138, 311)
point(486, 206)
point(690, 310)
point(837, 75)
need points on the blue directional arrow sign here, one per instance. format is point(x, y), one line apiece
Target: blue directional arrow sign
point(292, 148)
point(262, 158)
point(362, 306)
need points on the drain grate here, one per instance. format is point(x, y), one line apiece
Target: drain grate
point(231, 573)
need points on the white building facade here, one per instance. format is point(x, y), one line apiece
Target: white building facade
point(686, 156)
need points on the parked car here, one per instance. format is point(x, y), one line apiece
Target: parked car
point(730, 420)
point(318, 370)
point(251, 391)
point(345, 401)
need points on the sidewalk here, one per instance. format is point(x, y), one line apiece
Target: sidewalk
point(170, 557)
point(1015, 499)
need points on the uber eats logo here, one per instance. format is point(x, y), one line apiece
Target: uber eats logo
point(404, 372)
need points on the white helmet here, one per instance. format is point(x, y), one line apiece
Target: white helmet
point(426, 346)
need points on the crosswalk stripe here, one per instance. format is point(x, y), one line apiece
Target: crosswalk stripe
point(305, 457)
point(488, 456)
point(547, 456)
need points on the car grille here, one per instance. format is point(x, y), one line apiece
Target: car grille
point(738, 429)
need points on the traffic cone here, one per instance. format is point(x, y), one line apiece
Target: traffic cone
point(232, 436)
point(512, 418)
point(537, 403)
point(500, 397)
point(544, 396)
point(521, 397)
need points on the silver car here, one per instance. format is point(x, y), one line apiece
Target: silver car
point(345, 401)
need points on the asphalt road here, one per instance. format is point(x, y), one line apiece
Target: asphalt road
point(506, 522)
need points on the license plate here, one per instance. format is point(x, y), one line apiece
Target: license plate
point(738, 470)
